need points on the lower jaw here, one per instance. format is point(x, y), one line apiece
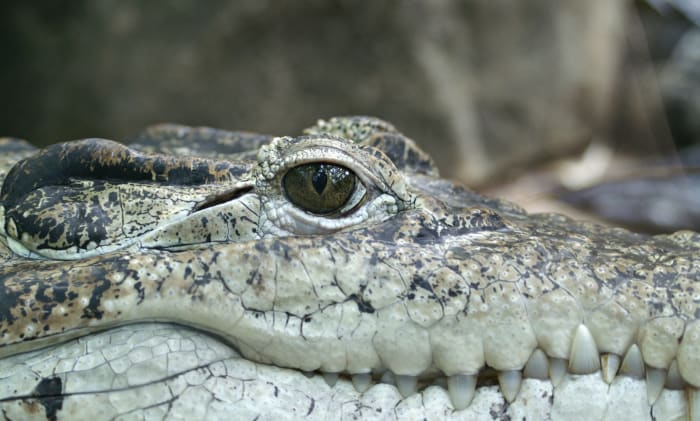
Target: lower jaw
point(287, 394)
point(575, 397)
point(205, 379)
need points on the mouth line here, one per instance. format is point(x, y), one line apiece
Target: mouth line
point(509, 384)
point(197, 360)
point(624, 397)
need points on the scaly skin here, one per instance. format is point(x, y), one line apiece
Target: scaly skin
point(420, 279)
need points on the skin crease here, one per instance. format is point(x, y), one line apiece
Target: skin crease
point(419, 276)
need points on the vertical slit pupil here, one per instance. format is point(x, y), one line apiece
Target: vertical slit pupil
point(319, 179)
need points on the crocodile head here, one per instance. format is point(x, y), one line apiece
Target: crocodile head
point(329, 273)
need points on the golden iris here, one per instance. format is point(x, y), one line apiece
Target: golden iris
point(319, 188)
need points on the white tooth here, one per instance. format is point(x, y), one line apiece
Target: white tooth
point(406, 384)
point(693, 403)
point(330, 378)
point(509, 381)
point(388, 378)
point(461, 388)
point(609, 364)
point(656, 378)
point(674, 381)
point(361, 381)
point(537, 366)
point(557, 370)
point(584, 358)
point(633, 364)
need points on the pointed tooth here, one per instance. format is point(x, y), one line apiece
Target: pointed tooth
point(609, 364)
point(633, 364)
point(584, 358)
point(330, 378)
point(537, 366)
point(407, 385)
point(693, 396)
point(461, 388)
point(361, 381)
point(656, 378)
point(388, 378)
point(509, 381)
point(674, 381)
point(557, 370)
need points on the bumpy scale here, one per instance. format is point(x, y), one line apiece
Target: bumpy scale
point(373, 271)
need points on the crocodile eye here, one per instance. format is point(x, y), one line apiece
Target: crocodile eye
point(322, 189)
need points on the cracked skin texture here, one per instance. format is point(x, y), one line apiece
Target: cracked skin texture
point(417, 277)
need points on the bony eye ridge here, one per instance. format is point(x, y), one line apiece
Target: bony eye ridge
point(319, 188)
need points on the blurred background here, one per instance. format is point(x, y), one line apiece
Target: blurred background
point(567, 105)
